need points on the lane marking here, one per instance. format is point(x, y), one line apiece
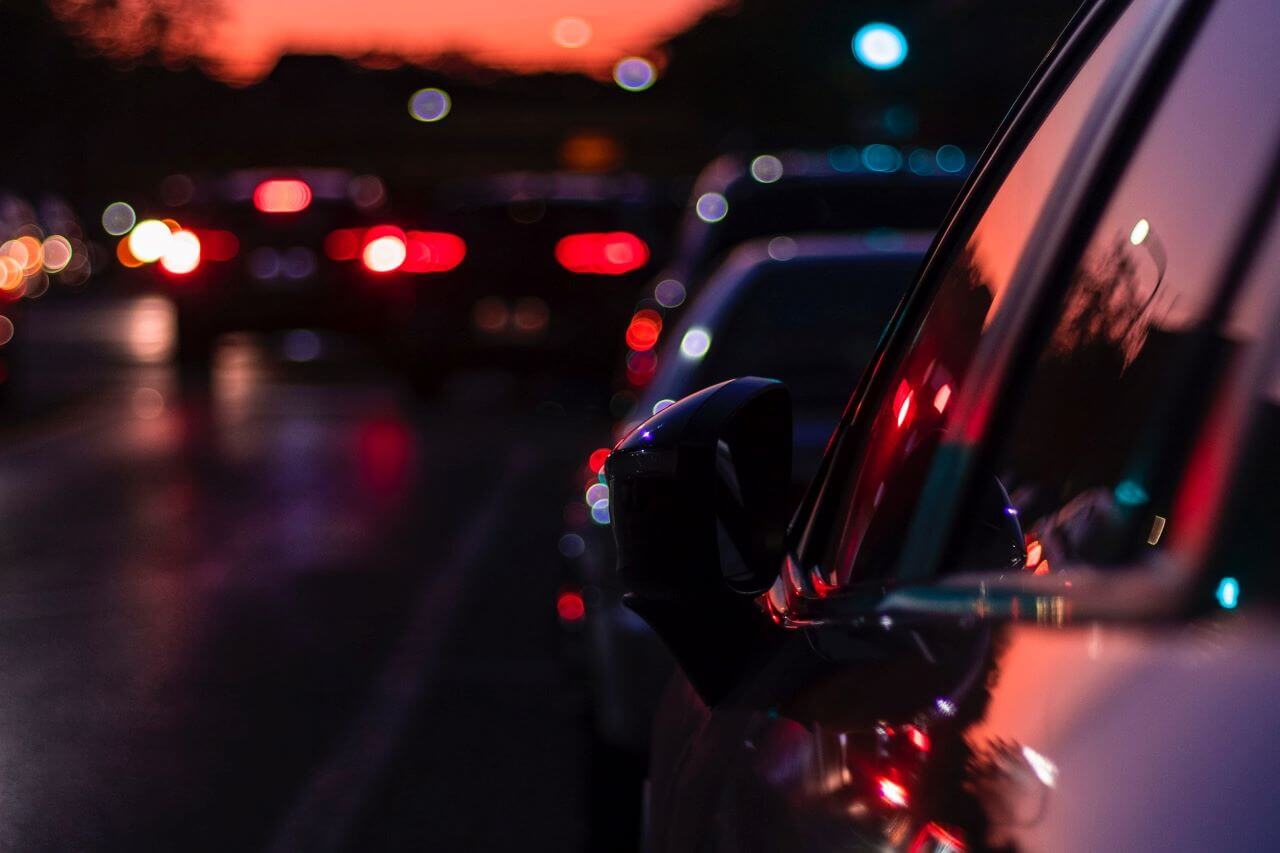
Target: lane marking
point(331, 803)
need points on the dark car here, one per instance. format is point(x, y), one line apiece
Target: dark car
point(737, 198)
point(552, 267)
point(1029, 600)
point(275, 250)
point(760, 313)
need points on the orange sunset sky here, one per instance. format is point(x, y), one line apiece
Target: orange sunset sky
point(509, 33)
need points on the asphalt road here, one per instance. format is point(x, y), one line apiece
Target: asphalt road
point(302, 611)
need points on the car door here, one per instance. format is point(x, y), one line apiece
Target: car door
point(864, 729)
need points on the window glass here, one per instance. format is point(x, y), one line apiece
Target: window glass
point(1092, 452)
point(813, 325)
point(904, 431)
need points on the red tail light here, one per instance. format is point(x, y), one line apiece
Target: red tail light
point(343, 244)
point(218, 245)
point(282, 195)
point(182, 255)
point(433, 251)
point(385, 249)
point(602, 253)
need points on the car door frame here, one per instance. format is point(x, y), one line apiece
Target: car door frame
point(1119, 113)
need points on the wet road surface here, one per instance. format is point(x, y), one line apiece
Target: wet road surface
point(303, 610)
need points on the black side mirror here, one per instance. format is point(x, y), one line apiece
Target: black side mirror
point(698, 499)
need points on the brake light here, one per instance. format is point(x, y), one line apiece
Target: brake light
point(217, 245)
point(602, 253)
point(343, 244)
point(181, 254)
point(282, 195)
point(433, 251)
point(384, 254)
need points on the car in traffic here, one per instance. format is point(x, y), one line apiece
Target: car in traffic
point(737, 198)
point(1028, 602)
point(554, 261)
point(766, 311)
point(279, 250)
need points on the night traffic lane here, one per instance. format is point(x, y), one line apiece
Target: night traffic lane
point(205, 598)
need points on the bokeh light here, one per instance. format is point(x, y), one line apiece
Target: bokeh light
point(384, 254)
point(6, 330)
point(669, 293)
point(880, 46)
point(711, 207)
point(367, 191)
point(596, 492)
point(11, 275)
point(182, 253)
point(430, 104)
point(695, 343)
point(177, 190)
point(125, 256)
point(1140, 231)
point(644, 330)
point(634, 73)
point(766, 168)
point(950, 159)
point(149, 240)
point(571, 32)
point(57, 253)
point(881, 158)
point(845, 158)
point(118, 218)
point(782, 248)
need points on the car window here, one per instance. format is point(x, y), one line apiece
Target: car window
point(888, 465)
point(1092, 450)
point(791, 322)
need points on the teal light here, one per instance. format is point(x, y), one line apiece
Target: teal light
point(1228, 593)
point(880, 46)
point(1130, 493)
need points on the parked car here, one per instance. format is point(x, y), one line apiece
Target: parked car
point(760, 313)
point(737, 198)
point(1028, 602)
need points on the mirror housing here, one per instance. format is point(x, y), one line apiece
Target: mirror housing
point(698, 501)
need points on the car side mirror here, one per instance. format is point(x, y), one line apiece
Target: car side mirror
point(698, 497)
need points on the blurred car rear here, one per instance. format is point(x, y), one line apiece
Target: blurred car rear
point(554, 262)
point(876, 190)
point(274, 250)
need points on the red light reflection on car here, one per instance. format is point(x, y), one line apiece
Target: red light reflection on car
point(902, 403)
point(596, 461)
point(933, 838)
point(891, 792)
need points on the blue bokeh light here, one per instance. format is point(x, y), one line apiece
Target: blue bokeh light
point(880, 46)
